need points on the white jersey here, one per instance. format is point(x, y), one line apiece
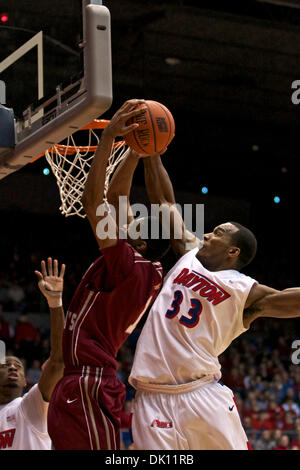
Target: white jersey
point(196, 316)
point(23, 423)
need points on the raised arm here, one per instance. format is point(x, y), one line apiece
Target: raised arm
point(93, 195)
point(160, 191)
point(264, 301)
point(158, 184)
point(51, 285)
point(121, 182)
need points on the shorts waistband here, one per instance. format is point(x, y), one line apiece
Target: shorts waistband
point(91, 370)
point(173, 389)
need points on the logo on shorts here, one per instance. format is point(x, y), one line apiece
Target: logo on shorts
point(71, 401)
point(231, 408)
point(161, 424)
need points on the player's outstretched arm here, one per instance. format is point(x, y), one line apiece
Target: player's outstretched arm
point(264, 301)
point(158, 184)
point(50, 282)
point(121, 183)
point(160, 191)
point(93, 194)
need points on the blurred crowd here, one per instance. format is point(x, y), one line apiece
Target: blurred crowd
point(258, 366)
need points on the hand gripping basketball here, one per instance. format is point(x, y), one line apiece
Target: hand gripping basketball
point(50, 283)
point(119, 124)
point(155, 131)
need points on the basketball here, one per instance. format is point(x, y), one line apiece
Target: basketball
point(156, 129)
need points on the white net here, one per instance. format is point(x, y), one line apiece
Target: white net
point(70, 164)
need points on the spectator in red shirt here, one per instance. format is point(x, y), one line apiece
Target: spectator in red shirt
point(275, 410)
point(252, 409)
point(25, 331)
point(288, 421)
point(234, 380)
point(296, 440)
point(26, 337)
point(284, 443)
point(262, 421)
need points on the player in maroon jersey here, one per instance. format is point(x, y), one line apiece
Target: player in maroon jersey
point(112, 296)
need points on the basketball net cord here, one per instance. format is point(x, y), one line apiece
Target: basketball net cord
point(70, 164)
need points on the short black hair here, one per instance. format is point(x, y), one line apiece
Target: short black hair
point(158, 245)
point(246, 241)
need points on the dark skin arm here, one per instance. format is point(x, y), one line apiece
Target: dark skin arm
point(263, 301)
point(160, 191)
point(93, 194)
point(121, 183)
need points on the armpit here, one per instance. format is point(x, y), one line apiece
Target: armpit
point(249, 316)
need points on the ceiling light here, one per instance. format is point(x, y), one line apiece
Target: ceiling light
point(172, 61)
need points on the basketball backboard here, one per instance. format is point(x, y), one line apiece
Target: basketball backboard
point(56, 71)
point(2, 92)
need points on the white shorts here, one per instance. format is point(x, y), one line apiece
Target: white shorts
point(204, 419)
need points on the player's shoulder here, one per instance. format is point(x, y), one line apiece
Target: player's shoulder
point(12, 405)
point(33, 393)
point(236, 280)
point(258, 292)
point(94, 266)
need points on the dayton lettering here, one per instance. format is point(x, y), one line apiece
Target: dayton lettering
point(201, 284)
point(6, 438)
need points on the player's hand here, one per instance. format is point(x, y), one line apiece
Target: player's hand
point(51, 283)
point(117, 125)
point(135, 154)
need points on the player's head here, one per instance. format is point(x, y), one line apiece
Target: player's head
point(12, 379)
point(146, 235)
point(229, 245)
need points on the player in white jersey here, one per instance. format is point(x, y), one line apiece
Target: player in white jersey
point(23, 419)
point(204, 304)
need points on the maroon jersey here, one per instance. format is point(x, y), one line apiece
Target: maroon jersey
point(111, 298)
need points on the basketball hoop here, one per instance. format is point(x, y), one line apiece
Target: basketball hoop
point(70, 164)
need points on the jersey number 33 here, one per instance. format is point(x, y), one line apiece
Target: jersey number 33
point(194, 312)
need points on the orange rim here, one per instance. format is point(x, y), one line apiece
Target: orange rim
point(95, 124)
point(70, 149)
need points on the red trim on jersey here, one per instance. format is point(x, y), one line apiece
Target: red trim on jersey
point(248, 443)
point(235, 402)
